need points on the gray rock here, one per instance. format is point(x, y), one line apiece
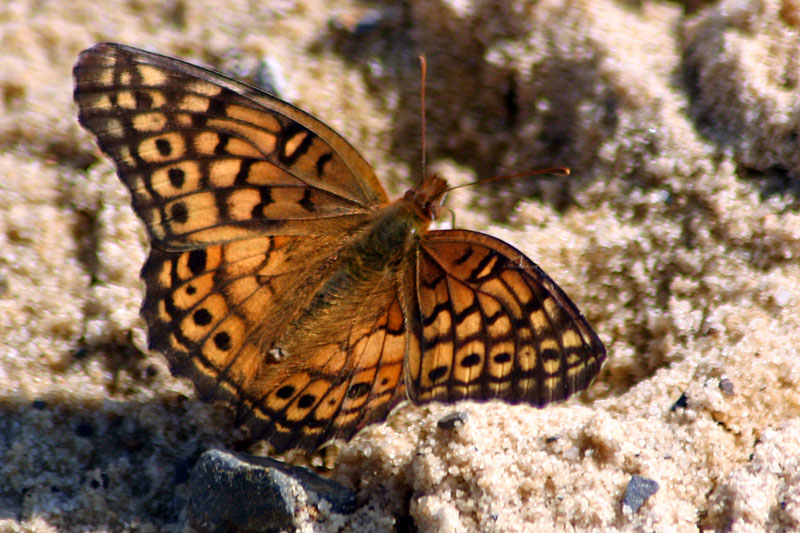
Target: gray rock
point(238, 492)
point(639, 489)
point(726, 386)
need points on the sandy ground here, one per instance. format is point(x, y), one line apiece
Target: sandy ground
point(678, 235)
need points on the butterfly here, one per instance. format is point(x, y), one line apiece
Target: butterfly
point(283, 281)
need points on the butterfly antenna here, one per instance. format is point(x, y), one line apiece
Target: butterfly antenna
point(561, 171)
point(424, 68)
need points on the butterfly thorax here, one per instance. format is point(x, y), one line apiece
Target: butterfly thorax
point(386, 241)
point(382, 251)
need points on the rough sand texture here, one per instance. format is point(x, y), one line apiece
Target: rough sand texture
point(678, 235)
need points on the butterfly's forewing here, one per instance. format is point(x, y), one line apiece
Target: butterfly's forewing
point(492, 324)
point(209, 159)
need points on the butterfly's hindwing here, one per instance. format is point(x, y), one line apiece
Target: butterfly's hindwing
point(350, 375)
point(216, 312)
point(491, 324)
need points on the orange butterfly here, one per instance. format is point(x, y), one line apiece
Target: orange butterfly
point(282, 280)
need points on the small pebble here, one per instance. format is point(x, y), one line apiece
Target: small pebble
point(638, 491)
point(453, 420)
point(681, 402)
point(726, 386)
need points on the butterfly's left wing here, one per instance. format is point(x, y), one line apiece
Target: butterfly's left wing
point(489, 323)
point(248, 202)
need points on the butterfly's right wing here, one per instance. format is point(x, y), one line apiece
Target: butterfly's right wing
point(488, 323)
point(210, 160)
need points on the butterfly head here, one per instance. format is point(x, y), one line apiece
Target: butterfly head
point(427, 198)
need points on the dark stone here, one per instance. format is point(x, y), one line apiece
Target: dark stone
point(453, 420)
point(238, 492)
point(726, 386)
point(681, 402)
point(639, 489)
